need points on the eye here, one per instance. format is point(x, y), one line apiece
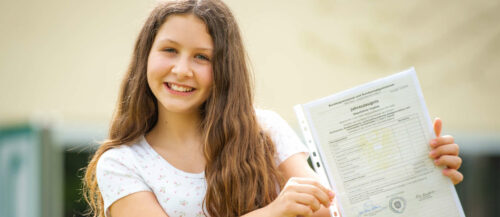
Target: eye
point(170, 50)
point(202, 57)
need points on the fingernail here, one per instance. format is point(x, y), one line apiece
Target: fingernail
point(445, 171)
point(433, 143)
point(436, 162)
point(432, 154)
point(331, 194)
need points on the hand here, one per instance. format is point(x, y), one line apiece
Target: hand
point(300, 197)
point(444, 151)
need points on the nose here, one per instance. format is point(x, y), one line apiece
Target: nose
point(182, 67)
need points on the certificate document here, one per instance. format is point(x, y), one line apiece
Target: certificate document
point(371, 145)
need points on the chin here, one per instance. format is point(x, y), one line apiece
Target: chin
point(181, 109)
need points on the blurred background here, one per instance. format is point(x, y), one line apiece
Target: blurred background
point(61, 63)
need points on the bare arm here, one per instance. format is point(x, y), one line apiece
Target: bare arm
point(144, 203)
point(138, 204)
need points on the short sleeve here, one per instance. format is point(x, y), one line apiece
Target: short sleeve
point(284, 137)
point(117, 176)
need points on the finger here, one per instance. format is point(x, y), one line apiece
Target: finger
point(449, 149)
point(443, 140)
point(308, 200)
point(312, 190)
point(316, 183)
point(300, 210)
point(455, 176)
point(452, 162)
point(437, 126)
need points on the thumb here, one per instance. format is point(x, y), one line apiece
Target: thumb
point(437, 126)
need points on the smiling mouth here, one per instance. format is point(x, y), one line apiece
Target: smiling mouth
point(179, 88)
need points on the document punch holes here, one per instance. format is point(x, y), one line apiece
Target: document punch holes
point(315, 157)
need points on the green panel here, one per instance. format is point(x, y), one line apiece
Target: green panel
point(19, 172)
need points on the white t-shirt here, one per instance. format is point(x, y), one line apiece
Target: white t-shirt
point(132, 168)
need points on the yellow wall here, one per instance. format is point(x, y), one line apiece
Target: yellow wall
point(66, 58)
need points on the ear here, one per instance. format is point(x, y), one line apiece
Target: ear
point(437, 126)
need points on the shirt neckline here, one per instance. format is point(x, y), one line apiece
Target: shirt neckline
point(176, 171)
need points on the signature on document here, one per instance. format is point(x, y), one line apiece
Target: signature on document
point(370, 209)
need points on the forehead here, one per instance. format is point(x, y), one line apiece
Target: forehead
point(185, 29)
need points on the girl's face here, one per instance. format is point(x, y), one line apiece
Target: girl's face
point(179, 70)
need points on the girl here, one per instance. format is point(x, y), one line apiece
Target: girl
point(186, 140)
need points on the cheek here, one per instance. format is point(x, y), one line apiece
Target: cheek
point(154, 73)
point(206, 77)
point(150, 76)
point(157, 66)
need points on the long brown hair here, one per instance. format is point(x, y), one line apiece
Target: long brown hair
point(241, 173)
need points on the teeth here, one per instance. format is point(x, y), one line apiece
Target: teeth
point(179, 88)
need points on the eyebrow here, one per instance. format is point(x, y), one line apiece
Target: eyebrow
point(177, 43)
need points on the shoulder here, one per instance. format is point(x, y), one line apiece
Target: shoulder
point(268, 118)
point(117, 153)
point(119, 172)
point(125, 153)
point(123, 160)
point(122, 154)
point(285, 139)
point(272, 123)
point(265, 113)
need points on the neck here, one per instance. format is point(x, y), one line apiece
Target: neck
point(176, 129)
